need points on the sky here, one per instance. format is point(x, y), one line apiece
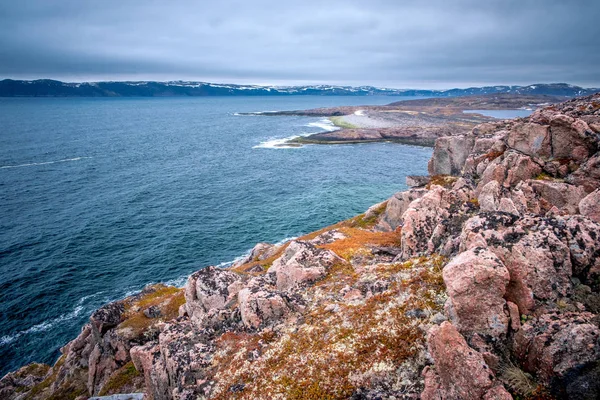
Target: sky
point(437, 44)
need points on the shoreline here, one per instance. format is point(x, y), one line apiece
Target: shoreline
point(416, 122)
point(415, 290)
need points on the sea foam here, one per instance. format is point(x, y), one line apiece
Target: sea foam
point(44, 163)
point(323, 125)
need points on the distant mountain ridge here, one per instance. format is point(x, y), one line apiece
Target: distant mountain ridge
point(53, 88)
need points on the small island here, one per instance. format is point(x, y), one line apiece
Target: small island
point(416, 122)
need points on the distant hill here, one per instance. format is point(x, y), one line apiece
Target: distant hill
point(52, 88)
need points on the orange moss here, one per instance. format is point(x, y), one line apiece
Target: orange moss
point(445, 181)
point(492, 155)
point(474, 201)
point(265, 264)
point(362, 221)
point(359, 240)
point(355, 222)
point(321, 357)
point(167, 298)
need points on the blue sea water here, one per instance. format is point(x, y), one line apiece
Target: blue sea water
point(99, 197)
point(503, 114)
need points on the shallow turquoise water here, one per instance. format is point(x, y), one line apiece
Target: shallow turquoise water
point(99, 197)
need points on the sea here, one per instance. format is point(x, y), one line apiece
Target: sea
point(102, 196)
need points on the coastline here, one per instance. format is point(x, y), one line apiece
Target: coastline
point(416, 290)
point(415, 122)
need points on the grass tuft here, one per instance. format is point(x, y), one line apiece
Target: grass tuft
point(341, 123)
point(445, 181)
point(123, 378)
point(518, 380)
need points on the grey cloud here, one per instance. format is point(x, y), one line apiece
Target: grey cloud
point(393, 43)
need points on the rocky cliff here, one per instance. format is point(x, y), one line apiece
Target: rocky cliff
point(481, 282)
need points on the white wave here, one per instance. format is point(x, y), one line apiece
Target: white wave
point(283, 241)
point(253, 113)
point(324, 124)
point(247, 253)
point(359, 112)
point(227, 264)
point(42, 327)
point(177, 282)
point(44, 163)
point(282, 143)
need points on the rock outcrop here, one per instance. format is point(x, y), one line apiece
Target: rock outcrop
point(483, 282)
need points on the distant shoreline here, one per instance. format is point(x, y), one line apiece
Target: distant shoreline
point(53, 88)
point(414, 122)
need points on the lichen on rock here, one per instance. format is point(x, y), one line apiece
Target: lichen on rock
point(481, 283)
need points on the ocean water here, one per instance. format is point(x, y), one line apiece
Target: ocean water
point(503, 114)
point(99, 197)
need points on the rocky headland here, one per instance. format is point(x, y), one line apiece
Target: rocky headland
point(417, 122)
point(480, 282)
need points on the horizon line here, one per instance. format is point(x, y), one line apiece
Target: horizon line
point(291, 86)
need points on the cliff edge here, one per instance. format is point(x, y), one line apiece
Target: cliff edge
point(480, 282)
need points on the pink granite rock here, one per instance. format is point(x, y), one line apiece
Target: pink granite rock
point(461, 371)
point(392, 217)
point(571, 138)
point(420, 220)
point(261, 251)
point(300, 264)
point(584, 246)
point(556, 345)
point(476, 282)
point(542, 195)
point(515, 317)
point(587, 175)
point(534, 250)
point(531, 139)
point(208, 293)
point(261, 304)
point(589, 206)
point(509, 169)
point(176, 362)
point(450, 154)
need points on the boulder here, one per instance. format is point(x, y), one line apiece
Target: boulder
point(558, 347)
point(476, 281)
point(509, 169)
point(106, 317)
point(489, 196)
point(391, 218)
point(531, 139)
point(261, 303)
point(543, 195)
point(209, 292)
point(533, 249)
point(420, 220)
point(176, 362)
point(450, 154)
point(571, 138)
point(587, 175)
point(460, 371)
point(589, 206)
point(148, 360)
point(261, 251)
point(261, 307)
point(417, 180)
point(584, 246)
point(302, 263)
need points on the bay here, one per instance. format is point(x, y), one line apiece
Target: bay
point(99, 197)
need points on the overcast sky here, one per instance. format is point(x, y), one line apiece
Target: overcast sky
point(393, 43)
